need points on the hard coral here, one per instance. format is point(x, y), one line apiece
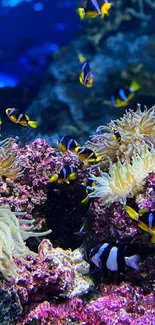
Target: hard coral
point(136, 130)
point(124, 179)
point(12, 237)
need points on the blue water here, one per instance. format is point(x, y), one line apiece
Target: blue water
point(30, 33)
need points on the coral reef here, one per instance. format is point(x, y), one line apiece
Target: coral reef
point(33, 194)
point(54, 273)
point(136, 309)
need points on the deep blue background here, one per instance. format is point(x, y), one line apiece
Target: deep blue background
point(23, 29)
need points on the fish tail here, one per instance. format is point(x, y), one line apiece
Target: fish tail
point(132, 213)
point(81, 12)
point(33, 124)
point(135, 86)
point(85, 200)
point(133, 261)
point(72, 176)
point(53, 178)
point(105, 9)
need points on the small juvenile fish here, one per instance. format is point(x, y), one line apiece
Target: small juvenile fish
point(94, 8)
point(86, 77)
point(65, 175)
point(15, 116)
point(89, 188)
point(113, 258)
point(146, 220)
point(67, 143)
point(122, 96)
point(86, 154)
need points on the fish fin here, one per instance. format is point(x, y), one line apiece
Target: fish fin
point(27, 117)
point(72, 176)
point(143, 226)
point(99, 158)
point(33, 124)
point(121, 103)
point(85, 200)
point(132, 213)
point(105, 9)
point(135, 86)
point(81, 78)
point(133, 261)
point(131, 96)
point(82, 59)
point(67, 181)
point(81, 12)
point(77, 149)
point(153, 239)
point(53, 178)
point(141, 212)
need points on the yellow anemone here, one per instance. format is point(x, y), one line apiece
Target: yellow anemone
point(124, 179)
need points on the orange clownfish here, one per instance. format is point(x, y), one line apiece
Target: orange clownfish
point(86, 76)
point(15, 116)
point(94, 8)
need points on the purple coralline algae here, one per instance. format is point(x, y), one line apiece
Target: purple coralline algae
point(55, 273)
point(123, 305)
point(30, 192)
point(39, 161)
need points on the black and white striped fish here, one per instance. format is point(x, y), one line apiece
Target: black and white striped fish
point(113, 258)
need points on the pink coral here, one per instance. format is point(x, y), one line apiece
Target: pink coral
point(40, 161)
point(121, 305)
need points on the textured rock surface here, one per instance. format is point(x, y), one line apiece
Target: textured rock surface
point(55, 273)
point(10, 305)
point(122, 305)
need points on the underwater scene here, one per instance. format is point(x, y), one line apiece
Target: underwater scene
point(77, 162)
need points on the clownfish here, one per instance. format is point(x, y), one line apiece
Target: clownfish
point(89, 188)
point(67, 143)
point(15, 116)
point(65, 175)
point(86, 77)
point(86, 154)
point(117, 137)
point(146, 220)
point(94, 8)
point(122, 96)
point(113, 258)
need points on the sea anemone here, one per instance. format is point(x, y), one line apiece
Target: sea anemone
point(125, 179)
point(9, 163)
point(13, 233)
point(135, 128)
